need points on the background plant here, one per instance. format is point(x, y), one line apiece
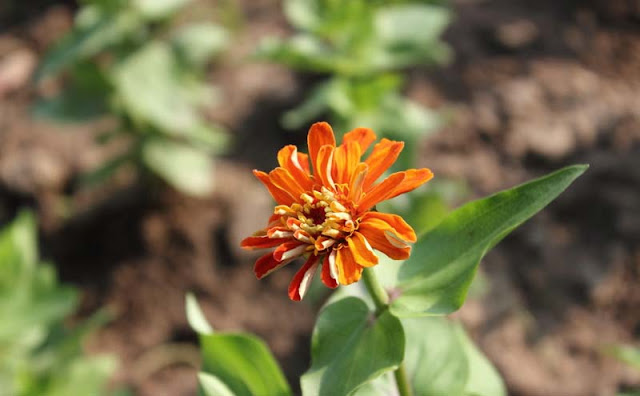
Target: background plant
point(363, 46)
point(143, 62)
point(39, 354)
point(396, 327)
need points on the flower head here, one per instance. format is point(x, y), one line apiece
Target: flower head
point(328, 215)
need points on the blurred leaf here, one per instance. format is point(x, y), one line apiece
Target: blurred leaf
point(195, 316)
point(212, 386)
point(435, 279)
point(244, 363)
point(184, 167)
point(484, 379)
point(157, 9)
point(198, 43)
point(208, 137)
point(627, 354)
point(351, 347)
point(96, 32)
point(84, 99)
point(151, 89)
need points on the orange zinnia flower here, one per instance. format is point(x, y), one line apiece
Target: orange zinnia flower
point(327, 216)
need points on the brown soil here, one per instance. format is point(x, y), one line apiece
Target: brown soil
point(535, 86)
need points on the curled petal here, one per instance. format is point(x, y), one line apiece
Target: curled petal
point(281, 178)
point(327, 278)
point(261, 242)
point(361, 250)
point(320, 134)
point(349, 271)
point(267, 264)
point(324, 165)
point(381, 191)
point(384, 154)
point(414, 178)
point(289, 250)
point(392, 222)
point(302, 279)
point(281, 196)
point(363, 136)
point(289, 159)
point(384, 238)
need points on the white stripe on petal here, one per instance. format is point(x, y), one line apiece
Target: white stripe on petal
point(394, 240)
point(295, 252)
point(333, 268)
point(281, 234)
point(306, 279)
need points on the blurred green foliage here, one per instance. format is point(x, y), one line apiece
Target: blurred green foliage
point(39, 355)
point(136, 61)
point(363, 45)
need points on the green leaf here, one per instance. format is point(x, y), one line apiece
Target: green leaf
point(151, 88)
point(158, 9)
point(195, 316)
point(197, 43)
point(186, 168)
point(435, 279)
point(441, 360)
point(242, 362)
point(351, 347)
point(95, 31)
point(211, 385)
point(627, 354)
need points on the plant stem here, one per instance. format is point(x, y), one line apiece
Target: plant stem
point(375, 289)
point(381, 300)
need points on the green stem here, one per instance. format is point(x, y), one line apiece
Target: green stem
point(381, 300)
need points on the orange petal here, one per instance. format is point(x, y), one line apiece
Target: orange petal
point(324, 165)
point(289, 250)
point(363, 136)
point(361, 250)
point(346, 158)
point(349, 271)
point(377, 236)
point(289, 159)
point(320, 134)
point(380, 192)
point(267, 264)
point(393, 222)
point(414, 178)
point(357, 182)
point(302, 279)
point(281, 178)
point(384, 154)
point(261, 242)
point(281, 196)
point(326, 277)
point(303, 160)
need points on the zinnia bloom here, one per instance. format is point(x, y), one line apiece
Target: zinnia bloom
point(328, 216)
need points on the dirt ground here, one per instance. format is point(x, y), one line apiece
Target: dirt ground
point(534, 86)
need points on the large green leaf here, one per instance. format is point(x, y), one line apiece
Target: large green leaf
point(186, 168)
point(441, 360)
point(211, 385)
point(351, 347)
point(96, 30)
point(435, 279)
point(243, 363)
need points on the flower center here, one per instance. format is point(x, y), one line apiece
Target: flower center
point(323, 220)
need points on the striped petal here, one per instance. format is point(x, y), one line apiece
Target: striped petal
point(346, 158)
point(326, 275)
point(349, 271)
point(363, 136)
point(302, 279)
point(384, 154)
point(385, 238)
point(267, 264)
point(289, 250)
point(320, 134)
point(361, 250)
point(281, 178)
point(261, 242)
point(324, 166)
point(289, 159)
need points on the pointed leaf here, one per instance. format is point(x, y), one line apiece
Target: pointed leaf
point(351, 347)
point(195, 316)
point(435, 279)
point(212, 386)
